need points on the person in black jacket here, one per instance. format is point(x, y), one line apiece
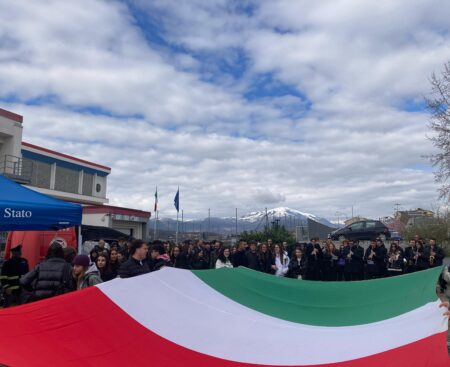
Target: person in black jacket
point(342, 261)
point(175, 256)
point(436, 254)
point(297, 265)
point(104, 268)
point(215, 252)
point(12, 270)
point(186, 257)
point(206, 248)
point(409, 256)
point(329, 262)
point(372, 271)
point(394, 260)
point(136, 264)
point(159, 258)
point(114, 262)
point(314, 256)
point(381, 258)
point(355, 263)
point(252, 257)
point(421, 256)
point(200, 262)
point(265, 259)
point(239, 258)
point(51, 277)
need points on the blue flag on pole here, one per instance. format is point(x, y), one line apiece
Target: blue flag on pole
point(176, 200)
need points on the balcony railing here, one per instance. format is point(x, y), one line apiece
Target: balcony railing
point(16, 168)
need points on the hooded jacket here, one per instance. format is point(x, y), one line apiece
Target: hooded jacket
point(91, 277)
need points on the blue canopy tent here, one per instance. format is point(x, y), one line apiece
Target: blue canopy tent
point(22, 209)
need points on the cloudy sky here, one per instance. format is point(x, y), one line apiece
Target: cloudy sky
point(315, 105)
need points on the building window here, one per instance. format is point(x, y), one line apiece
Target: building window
point(66, 180)
point(88, 182)
point(41, 174)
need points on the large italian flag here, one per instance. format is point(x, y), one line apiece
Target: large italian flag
point(232, 317)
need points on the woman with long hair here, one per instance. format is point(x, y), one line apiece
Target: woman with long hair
point(114, 262)
point(104, 267)
point(297, 265)
point(280, 261)
point(329, 262)
point(395, 262)
point(223, 261)
point(342, 261)
point(200, 262)
point(175, 256)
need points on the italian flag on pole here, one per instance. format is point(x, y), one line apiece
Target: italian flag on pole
point(232, 318)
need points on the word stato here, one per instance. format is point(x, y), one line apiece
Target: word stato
point(11, 213)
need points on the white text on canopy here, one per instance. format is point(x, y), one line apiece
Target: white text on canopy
point(11, 213)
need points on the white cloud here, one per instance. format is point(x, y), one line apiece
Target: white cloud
point(182, 117)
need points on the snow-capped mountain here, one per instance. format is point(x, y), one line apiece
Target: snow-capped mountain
point(289, 218)
point(285, 213)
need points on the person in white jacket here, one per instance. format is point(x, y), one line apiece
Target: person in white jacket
point(281, 260)
point(223, 260)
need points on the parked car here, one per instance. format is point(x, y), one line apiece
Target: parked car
point(362, 230)
point(395, 236)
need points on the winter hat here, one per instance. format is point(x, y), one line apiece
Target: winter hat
point(82, 260)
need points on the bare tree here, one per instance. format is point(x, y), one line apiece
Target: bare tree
point(439, 106)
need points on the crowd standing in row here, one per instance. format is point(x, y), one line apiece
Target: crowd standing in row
point(63, 271)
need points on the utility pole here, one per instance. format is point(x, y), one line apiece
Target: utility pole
point(209, 223)
point(236, 223)
point(182, 223)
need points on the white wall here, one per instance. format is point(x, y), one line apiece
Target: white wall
point(11, 134)
point(102, 182)
point(96, 219)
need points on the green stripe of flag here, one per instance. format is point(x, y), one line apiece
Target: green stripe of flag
point(325, 303)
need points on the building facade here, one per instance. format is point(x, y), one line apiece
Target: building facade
point(64, 177)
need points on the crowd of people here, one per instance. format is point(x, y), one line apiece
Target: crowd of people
point(64, 271)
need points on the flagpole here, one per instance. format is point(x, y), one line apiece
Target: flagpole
point(156, 224)
point(154, 229)
point(176, 235)
point(156, 213)
point(182, 222)
point(178, 213)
